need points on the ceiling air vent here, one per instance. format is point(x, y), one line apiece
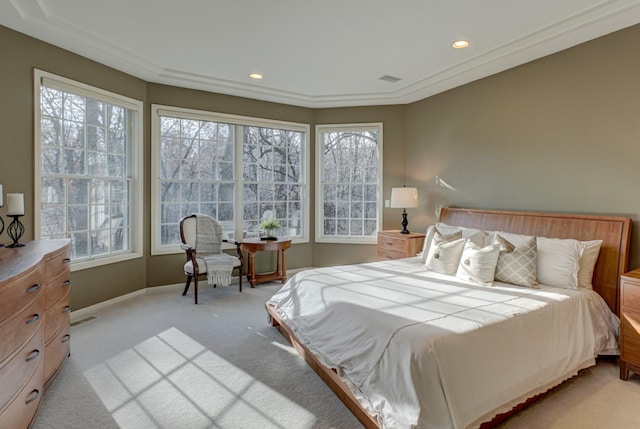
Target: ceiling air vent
point(390, 79)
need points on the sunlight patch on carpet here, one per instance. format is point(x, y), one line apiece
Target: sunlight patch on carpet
point(171, 380)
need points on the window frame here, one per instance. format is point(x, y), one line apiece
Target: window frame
point(319, 199)
point(134, 162)
point(158, 110)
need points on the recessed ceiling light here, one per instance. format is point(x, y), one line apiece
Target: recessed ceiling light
point(460, 44)
point(255, 75)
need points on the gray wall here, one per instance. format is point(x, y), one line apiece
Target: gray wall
point(558, 134)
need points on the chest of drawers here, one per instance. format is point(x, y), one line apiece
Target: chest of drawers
point(394, 245)
point(34, 325)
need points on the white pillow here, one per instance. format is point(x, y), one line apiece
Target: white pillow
point(444, 255)
point(447, 234)
point(588, 262)
point(518, 260)
point(478, 264)
point(559, 262)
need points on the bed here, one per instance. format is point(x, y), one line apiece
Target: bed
point(403, 346)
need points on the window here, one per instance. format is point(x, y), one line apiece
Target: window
point(87, 167)
point(349, 185)
point(239, 170)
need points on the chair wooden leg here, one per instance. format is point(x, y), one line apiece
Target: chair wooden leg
point(195, 289)
point(240, 277)
point(186, 287)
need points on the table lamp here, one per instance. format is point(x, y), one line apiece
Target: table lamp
point(404, 198)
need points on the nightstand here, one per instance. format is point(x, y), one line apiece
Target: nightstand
point(630, 323)
point(394, 245)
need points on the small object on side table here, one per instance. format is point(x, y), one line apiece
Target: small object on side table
point(629, 323)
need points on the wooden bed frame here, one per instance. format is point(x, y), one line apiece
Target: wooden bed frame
point(615, 233)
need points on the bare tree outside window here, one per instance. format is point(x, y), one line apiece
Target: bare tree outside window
point(349, 185)
point(197, 173)
point(84, 175)
point(238, 173)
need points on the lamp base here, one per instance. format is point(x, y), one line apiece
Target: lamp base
point(404, 223)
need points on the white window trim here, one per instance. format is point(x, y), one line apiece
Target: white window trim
point(158, 110)
point(135, 160)
point(319, 213)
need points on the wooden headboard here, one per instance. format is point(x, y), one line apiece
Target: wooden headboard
point(615, 233)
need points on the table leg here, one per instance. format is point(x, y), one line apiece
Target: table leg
point(252, 268)
point(284, 267)
point(278, 256)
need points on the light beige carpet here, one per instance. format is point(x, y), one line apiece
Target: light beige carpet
point(159, 361)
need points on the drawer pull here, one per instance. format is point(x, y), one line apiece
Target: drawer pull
point(66, 309)
point(389, 257)
point(66, 283)
point(34, 354)
point(33, 288)
point(66, 260)
point(66, 338)
point(388, 243)
point(33, 396)
point(33, 318)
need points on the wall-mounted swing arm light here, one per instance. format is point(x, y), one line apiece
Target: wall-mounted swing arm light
point(404, 198)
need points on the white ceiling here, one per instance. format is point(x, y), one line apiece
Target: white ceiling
point(323, 53)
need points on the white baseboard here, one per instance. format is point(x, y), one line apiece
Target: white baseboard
point(88, 311)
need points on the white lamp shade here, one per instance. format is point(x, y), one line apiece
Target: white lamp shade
point(404, 197)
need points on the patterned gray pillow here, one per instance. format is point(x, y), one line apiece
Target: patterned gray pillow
point(518, 266)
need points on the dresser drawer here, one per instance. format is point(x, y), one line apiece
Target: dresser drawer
point(56, 288)
point(20, 368)
point(57, 351)
point(20, 293)
point(385, 253)
point(21, 412)
point(17, 330)
point(392, 243)
point(57, 316)
point(630, 294)
point(57, 262)
point(630, 336)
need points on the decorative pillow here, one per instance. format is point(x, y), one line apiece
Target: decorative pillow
point(479, 237)
point(428, 239)
point(517, 266)
point(588, 262)
point(478, 264)
point(504, 244)
point(559, 262)
point(444, 255)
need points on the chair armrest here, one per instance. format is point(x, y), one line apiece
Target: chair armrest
point(238, 250)
point(191, 252)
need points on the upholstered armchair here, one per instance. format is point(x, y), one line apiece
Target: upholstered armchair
point(202, 240)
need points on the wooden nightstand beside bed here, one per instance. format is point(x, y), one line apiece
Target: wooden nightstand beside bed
point(630, 323)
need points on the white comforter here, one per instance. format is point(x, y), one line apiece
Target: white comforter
point(423, 350)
